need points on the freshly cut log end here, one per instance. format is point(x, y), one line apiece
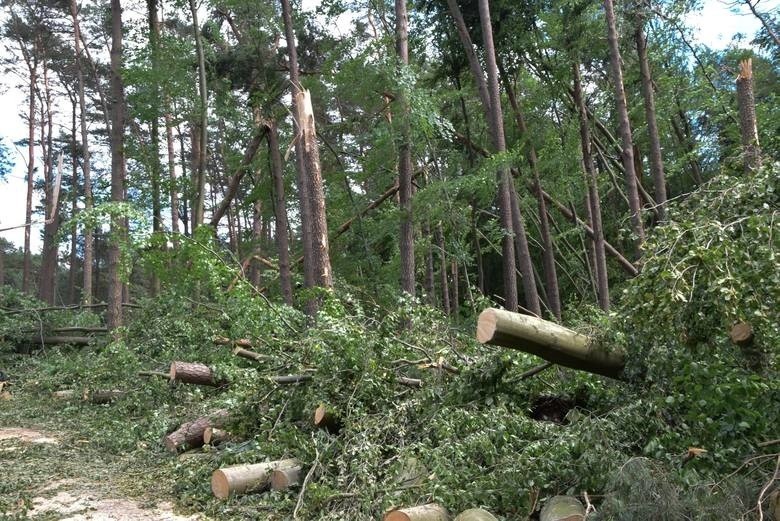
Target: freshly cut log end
point(562, 508)
point(190, 434)
point(285, 477)
point(245, 479)
point(327, 419)
point(214, 436)
point(548, 340)
point(741, 334)
point(475, 514)
point(429, 512)
point(190, 373)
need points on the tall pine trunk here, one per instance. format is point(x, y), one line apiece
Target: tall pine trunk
point(751, 152)
point(280, 213)
point(74, 188)
point(656, 160)
point(627, 143)
point(406, 239)
point(50, 252)
point(201, 136)
point(118, 231)
point(600, 259)
point(32, 64)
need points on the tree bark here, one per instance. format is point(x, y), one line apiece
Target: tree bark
point(751, 152)
point(32, 64)
point(506, 189)
point(245, 479)
point(445, 286)
point(406, 239)
point(190, 435)
point(192, 373)
point(280, 214)
point(429, 512)
point(214, 436)
point(600, 259)
point(114, 309)
point(286, 476)
point(627, 151)
point(198, 204)
point(174, 196)
point(74, 187)
point(50, 250)
point(548, 340)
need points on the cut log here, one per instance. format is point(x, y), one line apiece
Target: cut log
point(66, 394)
point(548, 340)
point(189, 373)
point(215, 436)
point(742, 334)
point(327, 419)
point(251, 355)
point(429, 512)
point(245, 479)
point(562, 508)
point(190, 434)
point(102, 396)
point(291, 379)
point(286, 476)
point(409, 382)
point(475, 514)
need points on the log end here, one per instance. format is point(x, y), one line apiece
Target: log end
point(172, 372)
point(429, 512)
point(741, 334)
point(220, 485)
point(396, 515)
point(285, 477)
point(208, 434)
point(475, 514)
point(562, 508)
point(486, 326)
point(319, 415)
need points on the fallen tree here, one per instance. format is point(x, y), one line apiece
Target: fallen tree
point(190, 373)
point(244, 479)
point(548, 340)
point(190, 434)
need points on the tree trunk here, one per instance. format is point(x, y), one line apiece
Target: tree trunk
point(190, 373)
point(751, 152)
point(548, 340)
point(406, 239)
point(156, 164)
point(445, 286)
point(198, 203)
point(627, 153)
point(238, 175)
point(429, 512)
point(174, 196)
point(280, 214)
point(656, 160)
point(190, 435)
point(475, 514)
point(32, 64)
point(562, 508)
point(548, 253)
point(600, 259)
point(524, 263)
point(286, 476)
point(214, 436)
point(326, 418)
point(506, 190)
point(50, 252)
point(245, 479)
point(114, 309)
point(74, 188)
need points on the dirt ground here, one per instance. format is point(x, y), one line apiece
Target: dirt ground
point(77, 500)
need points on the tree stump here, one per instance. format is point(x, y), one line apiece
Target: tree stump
point(245, 479)
point(429, 512)
point(562, 508)
point(190, 373)
point(741, 334)
point(327, 419)
point(190, 434)
point(475, 514)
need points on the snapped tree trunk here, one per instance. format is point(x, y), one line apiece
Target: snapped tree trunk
point(627, 149)
point(751, 152)
point(548, 340)
point(280, 214)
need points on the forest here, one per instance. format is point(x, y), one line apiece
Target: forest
point(358, 259)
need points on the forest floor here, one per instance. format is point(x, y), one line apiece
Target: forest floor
point(56, 467)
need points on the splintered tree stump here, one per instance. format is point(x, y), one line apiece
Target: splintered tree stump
point(327, 419)
point(550, 341)
point(475, 514)
point(429, 512)
point(214, 436)
point(245, 479)
point(250, 355)
point(190, 434)
point(189, 373)
point(286, 476)
point(102, 396)
point(741, 334)
point(562, 508)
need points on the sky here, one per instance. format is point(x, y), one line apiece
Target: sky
point(715, 26)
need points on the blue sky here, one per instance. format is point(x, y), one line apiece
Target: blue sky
point(715, 25)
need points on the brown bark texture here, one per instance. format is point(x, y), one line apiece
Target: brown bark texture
point(751, 152)
point(191, 373)
point(190, 435)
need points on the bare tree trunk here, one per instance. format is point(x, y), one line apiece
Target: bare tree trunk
point(430, 284)
point(198, 204)
point(32, 64)
point(524, 263)
point(602, 279)
point(627, 153)
point(156, 164)
point(185, 211)
point(477, 250)
point(257, 236)
point(656, 160)
point(406, 240)
point(445, 287)
point(50, 250)
point(172, 170)
point(748, 127)
point(74, 187)
point(114, 309)
point(506, 190)
point(548, 253)
point(86, 291)
point(280, 212)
